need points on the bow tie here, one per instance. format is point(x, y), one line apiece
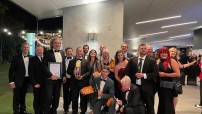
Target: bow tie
point(103, 80)
point(69, 57)
point(79, 59)
point(25, 56)
point(127, 90)
point(57, 50)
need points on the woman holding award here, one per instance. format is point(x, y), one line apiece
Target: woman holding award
point(107, 61)
point(94, 63)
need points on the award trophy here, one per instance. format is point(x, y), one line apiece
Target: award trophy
point(78, 69)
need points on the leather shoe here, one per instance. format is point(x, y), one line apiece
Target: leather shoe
point(65, 112)
point(24, 112)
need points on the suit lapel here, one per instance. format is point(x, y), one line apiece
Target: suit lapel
point(145, 64)
point(22, 60)
point(53, 56)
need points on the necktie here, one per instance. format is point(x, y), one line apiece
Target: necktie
point(57, 50)
point(41, 59)
point(140, 65)
point(69, 57)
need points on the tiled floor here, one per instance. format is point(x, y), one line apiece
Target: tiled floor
point(186, 101)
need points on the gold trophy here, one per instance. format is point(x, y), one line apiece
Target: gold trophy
point(78, 69)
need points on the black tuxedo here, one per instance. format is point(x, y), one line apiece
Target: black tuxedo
point(108, 92)
point(133, 104)
point(53, 86)
point(77, 85)
point(17, 75)
point(67, 93)
point(38, 76)
point(147, 87)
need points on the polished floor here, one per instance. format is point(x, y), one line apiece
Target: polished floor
point(186, 101)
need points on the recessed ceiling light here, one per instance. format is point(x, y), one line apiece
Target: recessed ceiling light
point(153, 33)
point(160, 19)
point(180, 36)
point(161, 41)
point(180, 24)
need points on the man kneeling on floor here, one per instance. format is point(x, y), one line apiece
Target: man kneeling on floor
point(105, 91)
point(131, 102)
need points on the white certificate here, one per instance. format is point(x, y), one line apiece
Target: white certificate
point(55, 68)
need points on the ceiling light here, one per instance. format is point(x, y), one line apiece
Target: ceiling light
point(91, 1)
point(180, 36)
point(9, 33)
point(160, 19)
point(41, 32)
point(153, 34)
point(162, 41)
point(136, 38)
point(23, 32)
point(5, 30)
point(179, 24)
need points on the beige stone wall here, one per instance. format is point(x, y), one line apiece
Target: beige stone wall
point(103, 18)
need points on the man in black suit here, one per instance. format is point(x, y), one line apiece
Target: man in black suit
point(131, 102)
point(124, 48)
point(105, 91)
point(19, 79)
point(184, 59)
point(67, 93)
point(38, 77)
point(143, 71)
point(85, 51)
point(53, 82)
point(79, 70)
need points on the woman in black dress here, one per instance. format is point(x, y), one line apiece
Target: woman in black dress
point(168, 68)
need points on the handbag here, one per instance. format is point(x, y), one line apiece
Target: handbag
point(177, 85)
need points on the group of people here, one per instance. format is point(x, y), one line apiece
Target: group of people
point(131, 81)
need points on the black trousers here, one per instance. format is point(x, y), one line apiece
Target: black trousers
point(39, 99)
point(52, 96)
point(147, 97)
point(19, 94)
point(182, 77)
point(134, 110)
point(83, 101)
point(67, 95)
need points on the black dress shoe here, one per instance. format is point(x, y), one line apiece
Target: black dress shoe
point(24, 112)
point(65, 112)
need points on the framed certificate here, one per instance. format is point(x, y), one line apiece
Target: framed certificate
point(55, 68)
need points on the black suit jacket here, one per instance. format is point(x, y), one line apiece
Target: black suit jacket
point(85, 72)
point(37, 71)
point(149, 67)
point(133, 99)
point(50, 57)
point(108, 90)
point(17, 70)
point(129, 55)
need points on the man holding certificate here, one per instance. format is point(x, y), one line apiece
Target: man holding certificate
point(79, 70)
point(55, 62)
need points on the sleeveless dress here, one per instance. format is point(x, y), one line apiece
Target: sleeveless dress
point(165, 105)
point(118, 90)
